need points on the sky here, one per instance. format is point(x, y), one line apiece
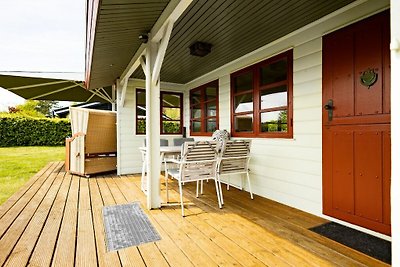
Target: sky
point(41, 36)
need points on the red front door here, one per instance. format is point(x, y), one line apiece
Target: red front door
point(356, 124)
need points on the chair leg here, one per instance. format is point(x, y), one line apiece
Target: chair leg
point(218, 194)
point(166, 185)
point(197, 188)
point(248, 180)
point(220, 190)
point(181, 195)
point(143, 176)
point(201, 187)
point(241, 182)
point(228, 182)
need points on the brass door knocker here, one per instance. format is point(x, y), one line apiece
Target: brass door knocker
point(368, 77)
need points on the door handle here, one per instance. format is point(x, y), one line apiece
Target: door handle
point(329, 107)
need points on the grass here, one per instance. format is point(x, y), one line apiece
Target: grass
point(18, 164)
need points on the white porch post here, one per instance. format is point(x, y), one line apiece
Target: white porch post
point(118, 90)
point(113, 96)
point(395, 131)
point(154, 52)
point(152, 129)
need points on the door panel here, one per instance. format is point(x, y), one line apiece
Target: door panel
point(343, 185)
point(386, 177)
point(368, 174)
point(356, 140)
point(368, 55)
point(343, 79)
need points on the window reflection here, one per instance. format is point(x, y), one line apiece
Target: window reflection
point(274, 72)
point(196, 126)
point(275, 121)
point(211, 125)
point(244, 123)
point(243, 103)
point(211, 109)
point(274, 97)
point(243, 82)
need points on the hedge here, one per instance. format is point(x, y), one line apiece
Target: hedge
point(26, 131)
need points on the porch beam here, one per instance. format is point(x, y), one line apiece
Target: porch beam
point(161, 51)
point(134, 63)
point(142, 61)
point(395, 129)
point(124, 85)
point(172, 12)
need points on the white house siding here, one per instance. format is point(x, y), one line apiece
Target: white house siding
point(129, 157)
point(290, 170)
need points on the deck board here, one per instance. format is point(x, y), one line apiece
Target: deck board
point(56, 219)
point(45, 246)
point(26, 243)
point(17, 221)
point(129, 256)
point(86, 254)
point(64, 254)
point(104, 259)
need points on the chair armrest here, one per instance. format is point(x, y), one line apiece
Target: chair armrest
point(227, 158)
point(171, 160)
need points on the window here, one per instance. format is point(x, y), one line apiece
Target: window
point(261, 99)
point(170, 112)
point(204, 109)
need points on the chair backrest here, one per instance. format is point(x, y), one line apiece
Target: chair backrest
point(199, 160)
point(235, 157)
point(163, 142)
point(180, 141)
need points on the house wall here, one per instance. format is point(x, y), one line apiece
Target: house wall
point(129, 158)
point(290, 170)
point(285, 170)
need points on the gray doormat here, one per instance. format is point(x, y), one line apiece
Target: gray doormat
point(127, 225)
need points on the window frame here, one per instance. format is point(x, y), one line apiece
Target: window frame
point(256, 91)
point(161, 111)
point(203, 103)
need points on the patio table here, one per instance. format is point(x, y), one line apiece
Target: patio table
point(164, 152)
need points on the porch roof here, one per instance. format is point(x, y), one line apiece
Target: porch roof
point(234, 28)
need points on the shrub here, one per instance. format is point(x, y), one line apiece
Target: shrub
point(28, 131)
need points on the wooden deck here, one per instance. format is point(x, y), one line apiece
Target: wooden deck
point(56, 219)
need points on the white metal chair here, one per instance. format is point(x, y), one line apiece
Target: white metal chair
point(181, 140)
point(198, 162)
point(234, 159)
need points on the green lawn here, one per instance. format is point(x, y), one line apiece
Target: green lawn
point(18, 164)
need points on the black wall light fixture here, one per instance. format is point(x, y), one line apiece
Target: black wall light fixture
point(200, 49)
point(144, 38)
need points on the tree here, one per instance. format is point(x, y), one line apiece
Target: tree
point(34, 108)
point(46, 106)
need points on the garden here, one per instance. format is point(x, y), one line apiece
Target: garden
point(29, 140)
